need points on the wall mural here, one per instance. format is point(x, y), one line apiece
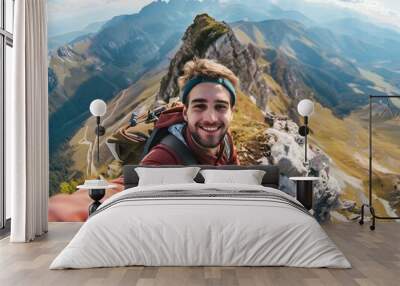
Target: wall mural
point(132, 54)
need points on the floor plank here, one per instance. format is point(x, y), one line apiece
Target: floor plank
point(374, 255)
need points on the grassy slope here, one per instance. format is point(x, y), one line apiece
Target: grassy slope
point(259, 38)
point(279, 103)
point(379, 82)
point(242, 36)
point(248, 130)
point(71, 73)
point(346, 142)
point(77, 63)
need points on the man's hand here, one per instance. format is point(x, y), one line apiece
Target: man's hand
point(74, 207)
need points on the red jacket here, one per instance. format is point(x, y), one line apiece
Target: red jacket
point(163, 155)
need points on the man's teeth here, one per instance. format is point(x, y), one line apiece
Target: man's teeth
point(210, 128)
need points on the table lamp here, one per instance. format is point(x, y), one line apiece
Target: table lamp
point(96, 188)
point(98, 108)
point(305, 109)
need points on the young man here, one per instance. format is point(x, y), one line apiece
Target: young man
point(201, 126)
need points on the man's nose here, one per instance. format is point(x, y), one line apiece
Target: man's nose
point(211, 117)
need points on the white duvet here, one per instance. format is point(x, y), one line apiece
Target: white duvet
point(190, 230)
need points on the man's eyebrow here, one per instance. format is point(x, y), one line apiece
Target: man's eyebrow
point(222, 101)
point(198, 100)
point(202, 100)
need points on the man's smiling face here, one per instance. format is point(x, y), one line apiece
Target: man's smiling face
point(208, 114)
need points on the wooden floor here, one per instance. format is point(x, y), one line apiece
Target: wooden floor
point(374, 255)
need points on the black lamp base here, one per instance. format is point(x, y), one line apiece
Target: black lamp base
point(96, 195)
point(304, 193)
point(304, 130)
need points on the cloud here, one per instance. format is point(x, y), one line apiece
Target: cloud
point(74, 6)
point(69, 15)
point(384, 11)
point(63, 6)
point(352, 1)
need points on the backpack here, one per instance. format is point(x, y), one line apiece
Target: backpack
point(133, 141)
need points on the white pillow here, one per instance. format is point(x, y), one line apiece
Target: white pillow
point(162, 176)
point(248, 177)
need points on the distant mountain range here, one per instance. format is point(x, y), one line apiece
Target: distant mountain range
point(59, 40)
point(330, 64)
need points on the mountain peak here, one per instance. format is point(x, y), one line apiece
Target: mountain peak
point(204, 31)
point(208, 38)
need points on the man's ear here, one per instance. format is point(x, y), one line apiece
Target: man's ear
point(184, 113)
point(233, 108)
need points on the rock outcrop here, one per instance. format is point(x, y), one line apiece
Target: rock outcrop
point(287, 151)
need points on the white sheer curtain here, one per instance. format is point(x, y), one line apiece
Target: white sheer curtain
point(27, 123)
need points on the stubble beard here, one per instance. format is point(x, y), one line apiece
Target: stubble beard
point(208, 144)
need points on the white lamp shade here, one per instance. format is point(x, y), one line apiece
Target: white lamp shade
point(305, 107)
point(98, 107)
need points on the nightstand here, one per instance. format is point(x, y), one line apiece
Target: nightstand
point(96, 193)
point(304, 190)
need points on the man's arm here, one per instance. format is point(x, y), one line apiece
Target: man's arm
point(161, 155)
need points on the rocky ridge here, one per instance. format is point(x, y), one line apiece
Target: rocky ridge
point(207, 38)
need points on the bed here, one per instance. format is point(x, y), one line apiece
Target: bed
point(201, 224)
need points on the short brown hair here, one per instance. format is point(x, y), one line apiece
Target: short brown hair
point(207, 68)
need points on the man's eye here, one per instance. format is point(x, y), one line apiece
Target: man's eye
point(221, 107)
point(199, 106)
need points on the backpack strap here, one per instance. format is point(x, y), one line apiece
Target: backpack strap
point(227, 148)
point(180, 149)
point(155, 137)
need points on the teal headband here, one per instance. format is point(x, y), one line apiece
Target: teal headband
point(200, 79)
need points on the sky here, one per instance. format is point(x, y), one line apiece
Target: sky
point(72, 15)
point(384, 11)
